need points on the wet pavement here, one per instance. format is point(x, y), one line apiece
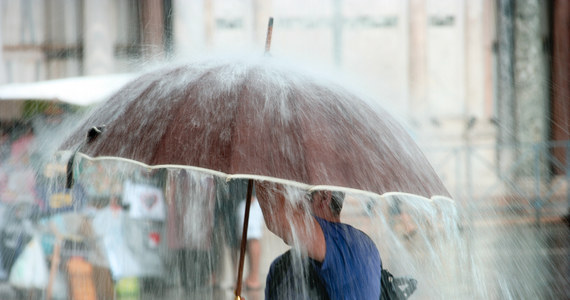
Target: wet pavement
point(523, 260)
point(511, 260)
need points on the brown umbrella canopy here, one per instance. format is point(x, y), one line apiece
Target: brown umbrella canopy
point(259, 117)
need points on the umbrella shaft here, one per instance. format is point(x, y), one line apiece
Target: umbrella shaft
point(244, 237)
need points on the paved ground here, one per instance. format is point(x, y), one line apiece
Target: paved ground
point(524, 261)
point(513, 261)
point(510, 258)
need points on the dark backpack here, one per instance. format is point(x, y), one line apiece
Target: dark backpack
point(392, 288)
point(396, 288)
point(284, 285)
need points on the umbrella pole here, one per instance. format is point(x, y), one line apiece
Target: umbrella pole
point(244, 239)
point(249, 192)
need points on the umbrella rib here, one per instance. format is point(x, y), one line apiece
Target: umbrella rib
point(234, 122)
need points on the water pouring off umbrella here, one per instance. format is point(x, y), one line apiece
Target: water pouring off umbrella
point(258, 119)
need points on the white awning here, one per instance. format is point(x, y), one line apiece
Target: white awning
point(76, 90)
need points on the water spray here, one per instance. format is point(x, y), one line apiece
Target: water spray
point(249, 193)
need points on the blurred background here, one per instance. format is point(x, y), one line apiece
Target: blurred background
point(482, 85)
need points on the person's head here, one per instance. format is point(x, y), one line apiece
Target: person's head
point(327, 204)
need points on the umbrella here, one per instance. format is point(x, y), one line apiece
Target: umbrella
point(258, 118)
point(262, 117)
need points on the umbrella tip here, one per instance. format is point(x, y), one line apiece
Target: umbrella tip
point(94, 132)
point(268, 38)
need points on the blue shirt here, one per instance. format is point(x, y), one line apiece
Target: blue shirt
point(351, 269)
point(352, 266)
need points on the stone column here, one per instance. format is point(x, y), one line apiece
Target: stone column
point(505, 117)
point(531, 81)
point(152, 23)
point(98, 37)
point(560, 106)
point(490, 58)
point(63, 46)
point(530, 71)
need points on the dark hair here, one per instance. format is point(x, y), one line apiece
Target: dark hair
point(337, 201)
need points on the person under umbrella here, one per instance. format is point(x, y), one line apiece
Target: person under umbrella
point(343, 262)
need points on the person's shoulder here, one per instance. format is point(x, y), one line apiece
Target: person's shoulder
point(339, 226)
point(346, 230)
point(358, 235)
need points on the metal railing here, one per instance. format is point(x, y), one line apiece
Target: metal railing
point(509, 179)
